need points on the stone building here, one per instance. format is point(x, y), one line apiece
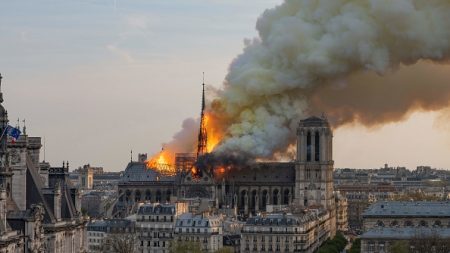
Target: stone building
point(360, 197)
point(254, 188)
point(155, 224)
point(203, 228)
point(302, 232)
point(341, 212)
point(386, 222)
point(105, 235)
point(40, 209)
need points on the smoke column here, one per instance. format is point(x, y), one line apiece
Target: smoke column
point(358, 61)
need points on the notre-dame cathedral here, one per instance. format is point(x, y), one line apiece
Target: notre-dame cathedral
point(305, 182)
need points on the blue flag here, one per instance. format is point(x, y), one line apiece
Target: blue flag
point(13, 132)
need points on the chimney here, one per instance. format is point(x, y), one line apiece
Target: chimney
point(57, 201)
point(142, 158)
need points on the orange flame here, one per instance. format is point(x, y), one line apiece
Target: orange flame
point(214, 135)
point(161, 163)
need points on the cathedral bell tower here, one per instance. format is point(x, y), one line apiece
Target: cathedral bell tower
point(314, 165)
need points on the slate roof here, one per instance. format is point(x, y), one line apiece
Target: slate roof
point(191, 220)
point(408, 209)
point(281, 219)
point(138, 172)
point(405, 233)
point(149, 209)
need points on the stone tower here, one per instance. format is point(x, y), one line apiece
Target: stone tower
point(314, 165)
point(5, 169)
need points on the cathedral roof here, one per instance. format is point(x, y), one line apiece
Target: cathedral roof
point(138, 172)
point(276, 172)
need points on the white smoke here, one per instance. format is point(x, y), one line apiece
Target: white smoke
point(304, 46)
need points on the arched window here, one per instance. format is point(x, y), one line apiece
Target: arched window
point(394, 223)
point(409, 223)
point(380, 224)
point(253, 201)
point(423, 223)
point(243, 193)
point(137, 196)
point(275, 197)
point(158, 196)
point(308, 147)
point(168, 194)
point(437, 223)
point(286, 197)
point(317, 147)
point(127, 195)
point(148, 195)
point(264, 199)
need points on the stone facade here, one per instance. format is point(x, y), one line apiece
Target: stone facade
point(40, 210)
point(155, 224)
point(302, 232)
point(341, 213)
point(202, 228)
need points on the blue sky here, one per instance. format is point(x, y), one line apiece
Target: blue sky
point(98, 78)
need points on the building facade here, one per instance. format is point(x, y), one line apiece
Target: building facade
point(203, 229)
point(387, 222)
point(40, 209)
point(303, 232)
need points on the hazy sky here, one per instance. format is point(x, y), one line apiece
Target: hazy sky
point(98, 78)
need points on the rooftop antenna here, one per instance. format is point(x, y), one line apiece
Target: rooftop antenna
point(24, 127)
point(18, 123)
point(1, 94)
point(44, 148)
point(131, 156)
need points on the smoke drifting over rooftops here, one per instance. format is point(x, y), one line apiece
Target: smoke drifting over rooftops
point(358, 61)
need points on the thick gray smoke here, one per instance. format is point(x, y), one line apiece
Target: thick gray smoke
point(357, 61)
point(338, 57)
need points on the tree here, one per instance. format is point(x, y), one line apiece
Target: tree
point(225, 250)
point(185, 247)
point(399, 247)
point(122, 243)
point(336, 245)
point(356, 246)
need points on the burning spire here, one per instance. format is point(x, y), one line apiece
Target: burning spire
point(202, 134)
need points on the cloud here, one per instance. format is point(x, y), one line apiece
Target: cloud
point(125, 55)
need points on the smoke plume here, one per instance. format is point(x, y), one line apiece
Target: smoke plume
point(358, 61)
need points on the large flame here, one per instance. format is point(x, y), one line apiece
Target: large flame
point(162, 162)
point(214, 135)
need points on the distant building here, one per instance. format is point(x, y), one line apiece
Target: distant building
point(204, 229)
point(155, 224)
point(341, 212)
point(286, 232)
point(386, 222)
point(103, 234)
point(360, 197)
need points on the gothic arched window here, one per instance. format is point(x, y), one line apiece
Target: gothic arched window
point(308, 147)
point(286, 197)
point(275, 197)
point(317, 147)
